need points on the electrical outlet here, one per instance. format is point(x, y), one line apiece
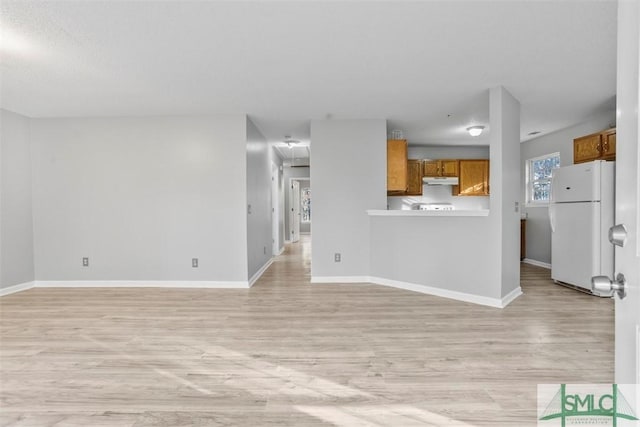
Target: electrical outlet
point(337, 257)
point(85, 262)
point(194, 262)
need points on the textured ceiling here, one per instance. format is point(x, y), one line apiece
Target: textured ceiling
point(297, 154)
point(424, 66)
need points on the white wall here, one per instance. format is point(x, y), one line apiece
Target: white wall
point(16, 226)
point(259, 225)
point(140, 197)
point(538, 239)
point(438, 194)
point(348, 177)
point(448, 152)
point(452, 253)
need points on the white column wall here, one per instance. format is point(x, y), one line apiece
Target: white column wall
point(16, 220)
point(348, 177)
point(505, 173)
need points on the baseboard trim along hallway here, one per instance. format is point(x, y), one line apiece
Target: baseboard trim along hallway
point(339, 279)
point(537, 263)
point(186, 284)
point(259, 273)
point(16, 288)
point(424, 289)
point(202, 284)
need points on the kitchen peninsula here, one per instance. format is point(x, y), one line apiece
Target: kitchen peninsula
point(471, 224)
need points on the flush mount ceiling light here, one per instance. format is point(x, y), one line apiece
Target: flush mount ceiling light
point(290, 141)
point(475, 130)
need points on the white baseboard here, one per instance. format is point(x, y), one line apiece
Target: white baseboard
point(429, 290)
point(260, 272)
point(439, 292)
point(537, 263)
point(280, 251)
point(17, 288)
point(287, 241)
point(508, 299)
point(340, 279)
point(203, 284)
point(178, 284)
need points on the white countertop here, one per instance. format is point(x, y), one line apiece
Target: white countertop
point(479, 212)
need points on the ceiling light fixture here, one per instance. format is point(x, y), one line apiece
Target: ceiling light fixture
point(475, 130)
point(290, 141)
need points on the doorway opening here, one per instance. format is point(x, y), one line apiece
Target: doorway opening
point(299, 207)
point(295, 198)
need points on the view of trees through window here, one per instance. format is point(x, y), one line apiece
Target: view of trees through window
point(305, 201)
point(540, 172)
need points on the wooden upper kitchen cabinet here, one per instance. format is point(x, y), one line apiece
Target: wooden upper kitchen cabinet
point(396, 166)
point(445, 167)
point(414, 182)
point(597, 146)
point(473, 178)
point(609, 144)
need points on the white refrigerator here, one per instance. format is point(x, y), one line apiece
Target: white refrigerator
point(581, 212)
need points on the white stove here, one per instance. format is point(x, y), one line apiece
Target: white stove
point(434, 207)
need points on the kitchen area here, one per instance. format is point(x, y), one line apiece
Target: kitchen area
point(437, 178)
point(454, 181)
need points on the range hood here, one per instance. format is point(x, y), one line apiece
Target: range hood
point(440, 180)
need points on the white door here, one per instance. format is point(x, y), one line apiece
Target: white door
point(294, 222)
point(627, 310)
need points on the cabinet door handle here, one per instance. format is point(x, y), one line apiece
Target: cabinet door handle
point(606, 146)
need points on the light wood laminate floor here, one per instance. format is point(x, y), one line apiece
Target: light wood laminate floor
point(289, 353)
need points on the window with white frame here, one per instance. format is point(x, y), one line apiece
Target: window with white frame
point(539, 172)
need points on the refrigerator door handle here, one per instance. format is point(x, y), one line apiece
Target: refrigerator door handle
point(552, 217)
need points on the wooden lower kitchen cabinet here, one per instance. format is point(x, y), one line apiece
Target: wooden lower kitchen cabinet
point(414, 180)
point(396, 166)
point(473, 178)
point(597, 146)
